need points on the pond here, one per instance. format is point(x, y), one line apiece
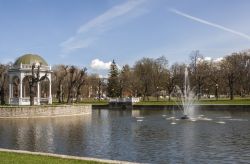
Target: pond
point(148, 136)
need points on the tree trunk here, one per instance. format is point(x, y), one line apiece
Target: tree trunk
point(216, 93)
point(78, 96)
point(2, 94)
point(59, 94)
point(32, 95)
point(78, 93)
point(63, 97)
point(231, 92)
point(70, 96)
point(199, 88)
point(99, 94)
point(231, 88)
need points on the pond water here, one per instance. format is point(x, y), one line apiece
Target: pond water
point(148, 136)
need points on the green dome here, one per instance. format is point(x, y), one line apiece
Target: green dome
point(30, 59)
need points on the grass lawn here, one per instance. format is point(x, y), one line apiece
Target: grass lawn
point(85, 101)
point(95, 102)
point(16, 158)
point(153, 101)
point(236, 101)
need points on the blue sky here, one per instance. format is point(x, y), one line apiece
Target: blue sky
point(92, 33)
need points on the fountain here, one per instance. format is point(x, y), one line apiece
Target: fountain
point(187, 97)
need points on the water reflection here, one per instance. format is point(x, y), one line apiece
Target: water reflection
point(39, 134)
point(119, 135)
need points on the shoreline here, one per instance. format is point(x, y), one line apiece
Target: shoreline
point(160, 107)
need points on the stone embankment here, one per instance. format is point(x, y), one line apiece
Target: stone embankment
point(44, 111)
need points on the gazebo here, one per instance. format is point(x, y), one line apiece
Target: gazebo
point(19, 81)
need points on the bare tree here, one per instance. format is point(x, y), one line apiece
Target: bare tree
point(3, 82)
point(126, 81)
point(76, 80)
point(144, 71)
point(158, 69)
point(196, 77)
point(72, 83)
point(171, 77)
point(81, 79)
point(215, 77)
point(60, 73)
point(235, 70)
point(34, 78)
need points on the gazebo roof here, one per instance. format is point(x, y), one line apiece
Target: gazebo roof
point(30, 59)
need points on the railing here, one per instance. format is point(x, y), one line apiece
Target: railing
point(44, 100)
point(135, 99)
point(15, 100)
point(124, 100)
point(25, 99)
point(29, 66)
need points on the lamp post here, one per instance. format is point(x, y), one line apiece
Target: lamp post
point(157, 94)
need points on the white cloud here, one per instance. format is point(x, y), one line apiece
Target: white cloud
point(103, 76)
point(216, 60)
point(207, 58)
point(76, 42)
point(243, 35)
point(90, 31)
point(100, 65)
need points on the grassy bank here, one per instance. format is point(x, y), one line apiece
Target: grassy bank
point(85, 101)
point(237, 101)
point(95, 102)
point(153, 101)
point(16, 158)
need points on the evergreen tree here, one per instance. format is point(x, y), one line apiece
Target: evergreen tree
point(113, 81)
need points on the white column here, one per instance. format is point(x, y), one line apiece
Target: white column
point(10, 86)
point(24, 92)
point(11, 90)
point(21, 87)
point(50, 97)
point(20, 92)
point(10, 82)
point(38, 93)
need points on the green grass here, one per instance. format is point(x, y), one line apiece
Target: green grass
point(153, 101)
point(16, 158)
point(95, 102)
point(156, 103)
point(226, 102)
point(236, 101)
point(85, 101)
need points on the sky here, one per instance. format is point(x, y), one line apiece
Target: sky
point(92, 33)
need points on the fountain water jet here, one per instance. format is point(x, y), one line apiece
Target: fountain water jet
point(187, 97)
